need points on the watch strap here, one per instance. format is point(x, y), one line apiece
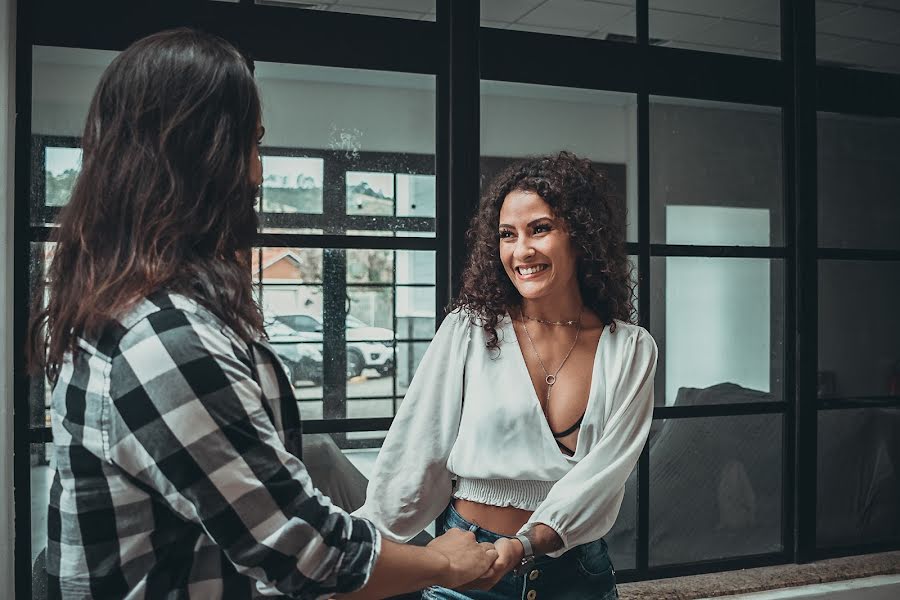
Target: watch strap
point(526, 544)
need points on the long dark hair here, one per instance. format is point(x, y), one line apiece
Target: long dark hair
point(164, 198)
point(579, 195)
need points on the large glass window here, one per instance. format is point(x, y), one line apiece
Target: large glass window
point(719, 324)
point(416, 10)
point(725, 26)
point(715, 176)
point(858, 182)
point(576, 18)
point(861, 35)
point(858, 482)
point(859, 329)
point(715, 488)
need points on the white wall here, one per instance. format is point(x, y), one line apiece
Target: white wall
point(7, 155)
point(717, 310)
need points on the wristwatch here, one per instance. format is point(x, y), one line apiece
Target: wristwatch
point(527, 559)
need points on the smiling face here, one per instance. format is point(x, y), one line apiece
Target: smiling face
point(535, 248)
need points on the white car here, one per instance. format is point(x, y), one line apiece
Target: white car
point(367, 347)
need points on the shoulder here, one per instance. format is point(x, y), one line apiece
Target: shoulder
point(632, 343)
point(174, 325)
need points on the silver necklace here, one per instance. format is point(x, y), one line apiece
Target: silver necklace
point(551, 378)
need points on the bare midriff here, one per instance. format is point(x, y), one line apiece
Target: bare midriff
point(505, 520)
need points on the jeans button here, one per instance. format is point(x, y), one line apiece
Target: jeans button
point(531, 595)
point(534, 575)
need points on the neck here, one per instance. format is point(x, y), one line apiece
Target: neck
point(553, 309)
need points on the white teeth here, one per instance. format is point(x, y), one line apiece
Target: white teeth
point(531, 270)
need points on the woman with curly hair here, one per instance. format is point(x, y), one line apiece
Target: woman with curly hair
point(531, 406)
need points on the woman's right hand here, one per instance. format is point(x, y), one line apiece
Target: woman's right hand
point(469, 560)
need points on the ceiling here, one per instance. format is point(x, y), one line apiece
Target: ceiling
point(863, 33)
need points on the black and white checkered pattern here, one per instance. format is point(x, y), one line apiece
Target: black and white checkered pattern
point(178, 472)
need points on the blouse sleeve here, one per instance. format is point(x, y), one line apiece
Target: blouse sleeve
point(410, 484)
point(583, 505)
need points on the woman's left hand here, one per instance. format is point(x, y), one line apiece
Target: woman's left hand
point(510, 553)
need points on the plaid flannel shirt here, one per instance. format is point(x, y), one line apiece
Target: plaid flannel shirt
point(178, 472)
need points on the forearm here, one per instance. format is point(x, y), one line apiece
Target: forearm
point(400, 569)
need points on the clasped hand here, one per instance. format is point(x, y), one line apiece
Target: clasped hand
point(476, 566)
point(509, 555)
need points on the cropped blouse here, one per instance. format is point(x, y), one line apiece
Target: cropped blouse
point(471, 426)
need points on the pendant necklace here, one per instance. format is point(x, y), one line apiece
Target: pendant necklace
point(548, 377)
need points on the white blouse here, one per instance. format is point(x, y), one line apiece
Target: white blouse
point(473, 416)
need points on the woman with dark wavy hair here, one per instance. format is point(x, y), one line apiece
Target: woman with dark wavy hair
point(176, 432)
point(531, 406)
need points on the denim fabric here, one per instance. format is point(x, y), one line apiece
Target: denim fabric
point(583, 573)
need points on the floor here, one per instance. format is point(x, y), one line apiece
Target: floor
point(881, 587)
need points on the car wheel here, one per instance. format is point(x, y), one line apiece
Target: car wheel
point(355, 363)
point(387, 368)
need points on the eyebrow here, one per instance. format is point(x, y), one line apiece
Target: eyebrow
point(530, 223)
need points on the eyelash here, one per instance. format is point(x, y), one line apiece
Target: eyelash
point(542, 228)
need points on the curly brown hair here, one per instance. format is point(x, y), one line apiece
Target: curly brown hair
point(578, 194)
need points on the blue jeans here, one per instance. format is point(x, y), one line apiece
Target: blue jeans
point(582, 573)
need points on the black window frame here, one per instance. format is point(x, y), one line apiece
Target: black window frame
point(460, 53)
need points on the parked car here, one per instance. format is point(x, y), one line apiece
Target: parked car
point(301, 356)
point(367, 347)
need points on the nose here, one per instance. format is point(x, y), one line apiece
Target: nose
point(523, 250)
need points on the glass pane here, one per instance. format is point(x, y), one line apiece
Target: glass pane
point(715, 488)
point(522, 120)
point(61, 167)
point(725, 26)
point(416, 10)
point(357, 158)
point(40, 389)
point(415, 195)
point(63, 82)
point(43, 465)
point(578, 18)
point(370, 194)
point(719, 325)
point(370, 266)
point(622, 538)
point(715, 174)
point(409, 355)
point(857, 477)
point(415, 312)
point(292, 184)
point(858, 182)
point(368, 408)
point(415, 267)
point(859, 355)
point(371, 313)
point(287, 265)
point(862, 37)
